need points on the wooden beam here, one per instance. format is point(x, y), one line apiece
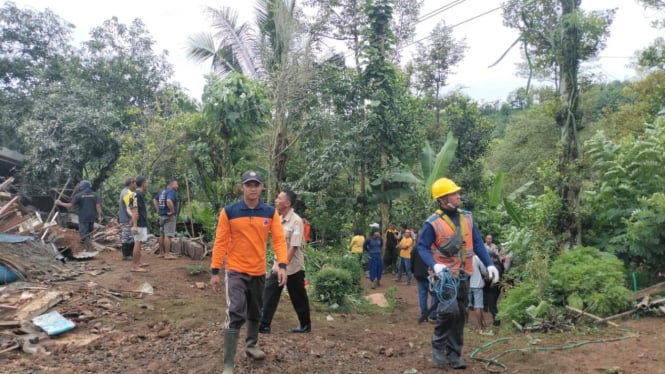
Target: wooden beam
point(6, 183)
point(592, 316)
point(62, 191)
point(649, 290)
point(8, 205)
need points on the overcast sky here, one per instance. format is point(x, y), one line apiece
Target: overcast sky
point(171, 22)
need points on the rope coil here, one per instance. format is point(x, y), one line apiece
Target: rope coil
point(444, 286)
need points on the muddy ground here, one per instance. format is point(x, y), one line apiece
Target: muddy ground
point(178, 329)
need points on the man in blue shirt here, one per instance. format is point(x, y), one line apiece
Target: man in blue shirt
point(167, 210)
point(90, 210)
point(447, 242)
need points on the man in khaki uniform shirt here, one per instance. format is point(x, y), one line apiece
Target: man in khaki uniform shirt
point(295, 270)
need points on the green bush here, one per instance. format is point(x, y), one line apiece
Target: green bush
point(350, 264)
point(594, 279)
point(315, 259)
point(517, 301)
point(331, 285)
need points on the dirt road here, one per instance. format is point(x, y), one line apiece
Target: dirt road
point(178, 330)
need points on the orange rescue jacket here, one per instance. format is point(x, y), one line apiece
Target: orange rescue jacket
point(444, 228)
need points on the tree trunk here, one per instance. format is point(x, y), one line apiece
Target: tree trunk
point(279, 153)
point(567, 120)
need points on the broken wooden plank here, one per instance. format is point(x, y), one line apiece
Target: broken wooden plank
point(592, 316)
point(622, 314)
point(649, 290)
point(8, 205)
point(13, 347)
point(13, 223)
point(10, 324)
point(5, 195)
point(39, 306)
point(6, 183)
point(62, 191)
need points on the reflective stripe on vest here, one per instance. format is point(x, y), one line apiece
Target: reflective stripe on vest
point(444, 228)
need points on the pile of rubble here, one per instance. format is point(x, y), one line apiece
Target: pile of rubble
point(35, 275)
point(16, 218)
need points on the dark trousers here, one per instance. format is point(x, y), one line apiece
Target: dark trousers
point(448, 337)
point(243, 298)
point(492, 300)
point(272, 292)
point(390, 259)
point(85, 230)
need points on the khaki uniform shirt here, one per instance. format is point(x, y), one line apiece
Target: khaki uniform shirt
point(294, 232)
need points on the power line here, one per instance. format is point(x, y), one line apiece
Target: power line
point(455, 25)
point(440, 10)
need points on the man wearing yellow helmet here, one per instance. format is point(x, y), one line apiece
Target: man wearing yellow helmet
point(447, 242)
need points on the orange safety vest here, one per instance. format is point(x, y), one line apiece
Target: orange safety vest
point(444, 228)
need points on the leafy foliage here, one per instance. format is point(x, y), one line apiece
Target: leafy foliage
point(644, 232)
point(332, 284)
point(350, 263)
point(594, 278)
point(619, 169)
point(34, 49)
point(235, 110)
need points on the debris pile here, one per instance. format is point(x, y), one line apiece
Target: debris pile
point(16, 218)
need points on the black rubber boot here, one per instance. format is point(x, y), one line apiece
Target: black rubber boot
point(457, 363)
point(127, 249)
point(440, 358)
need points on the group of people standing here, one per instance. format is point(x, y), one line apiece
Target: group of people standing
point(133, 219)
point(448, 248)
point(132, 216)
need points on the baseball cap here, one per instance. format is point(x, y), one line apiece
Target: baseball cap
point(249, 176)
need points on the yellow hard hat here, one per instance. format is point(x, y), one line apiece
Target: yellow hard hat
point(443, 187)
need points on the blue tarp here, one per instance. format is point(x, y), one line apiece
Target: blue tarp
point(6, 275)
point(11, 238)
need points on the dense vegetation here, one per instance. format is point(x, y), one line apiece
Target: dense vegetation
point(359, 136)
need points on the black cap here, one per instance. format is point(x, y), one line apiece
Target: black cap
point(249, 176)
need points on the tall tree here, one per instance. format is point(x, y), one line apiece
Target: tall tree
point(111, 84)
point(275, 50)
point(433, 63)
point(34, 47)
point(390, 120)
point(344, 20)
point(558, 35)
point(235, 110)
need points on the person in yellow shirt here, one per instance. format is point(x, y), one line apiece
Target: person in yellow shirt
point(405, 245)
point(357, 244)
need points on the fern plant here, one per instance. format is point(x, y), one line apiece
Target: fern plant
point(627, 174)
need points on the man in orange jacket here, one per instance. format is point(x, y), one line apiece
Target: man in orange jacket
point(240, 241)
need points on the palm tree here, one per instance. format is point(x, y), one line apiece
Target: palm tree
point(230, 48)
point(276, 50)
